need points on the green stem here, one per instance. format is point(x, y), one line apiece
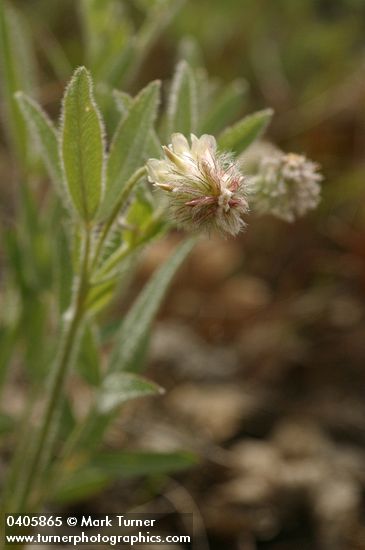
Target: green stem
point(43, 441)
point(111, 262)
point(128, 188)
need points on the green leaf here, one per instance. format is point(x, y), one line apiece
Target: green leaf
point(89, 435)
point(81, 484)
point(159, 16)
point(153, 146)
point(128, 464)
point(44, 133)
point(124, 103)
point(116, 389)
point(82, 146)
point(119, 387)
point(121, 63)
point(88, 364)
point(15, 64)
point(52, 48)
point(102, 290)
point(108, 39)
point(101, 294)
point(136, 324)
point(138, 217)
point(91, 479)
point(131, 340)
point(225, 107)
point(239, 136)
point(127, 151)
point(182, 103)
point(34, 240)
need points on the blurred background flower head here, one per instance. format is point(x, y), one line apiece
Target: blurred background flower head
point(285, 185)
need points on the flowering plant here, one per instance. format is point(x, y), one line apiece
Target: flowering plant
point(207, 189)
point(101, 212)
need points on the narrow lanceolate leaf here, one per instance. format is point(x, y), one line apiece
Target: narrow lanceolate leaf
point(182, 103)
point(126, 464)
point(82, 145)
point(127, 152)
point(119, 387)
point(91, 478)
point(80, 485)
point(153, 145)
point(225, 108)
point(124, 103)
point(44, 133)
point(15, 74)
point(135, 326)
point(239, 136)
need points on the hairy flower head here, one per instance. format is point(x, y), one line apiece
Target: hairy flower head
point(206, 190)
point(285, 185)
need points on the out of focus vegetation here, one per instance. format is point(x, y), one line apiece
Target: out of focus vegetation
point(261, 340)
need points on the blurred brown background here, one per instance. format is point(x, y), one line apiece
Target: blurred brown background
point(260, 343)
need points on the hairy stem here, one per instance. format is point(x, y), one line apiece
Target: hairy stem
point(128, 188)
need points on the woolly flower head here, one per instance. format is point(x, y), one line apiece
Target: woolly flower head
point(285, 185)
point(205, 189)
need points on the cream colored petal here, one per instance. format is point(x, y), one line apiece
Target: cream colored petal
point(203, 148)
point(158, 171)
point(194, 145)
point(164, 186)
point(180, 144)
point(181, 163)
point(208, 143)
